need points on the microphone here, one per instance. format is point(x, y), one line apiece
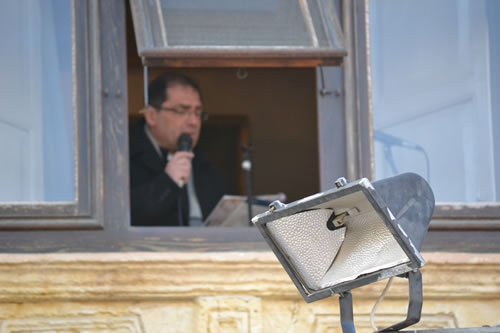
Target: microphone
point(395, 141)
point(184, 143)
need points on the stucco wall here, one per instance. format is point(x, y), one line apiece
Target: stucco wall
point(222, 292)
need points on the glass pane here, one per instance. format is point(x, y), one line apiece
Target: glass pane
point(246, 23)
point(36, 117)
point(435, 94)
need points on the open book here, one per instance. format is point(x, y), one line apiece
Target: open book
point(232, 210)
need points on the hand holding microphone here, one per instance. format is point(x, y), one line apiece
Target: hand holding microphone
point(179, 166)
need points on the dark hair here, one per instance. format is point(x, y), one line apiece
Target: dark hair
point(157, 89)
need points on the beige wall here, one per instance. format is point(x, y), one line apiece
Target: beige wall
point(222, 292)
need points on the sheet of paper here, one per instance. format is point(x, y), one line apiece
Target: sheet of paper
point(232, 210)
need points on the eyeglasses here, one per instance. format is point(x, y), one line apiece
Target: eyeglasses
point(185, 112)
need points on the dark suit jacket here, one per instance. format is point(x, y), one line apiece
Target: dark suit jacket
point(155, 196)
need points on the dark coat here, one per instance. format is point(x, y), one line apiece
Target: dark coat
point(155, 196)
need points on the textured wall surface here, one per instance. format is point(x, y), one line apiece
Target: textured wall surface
point(223, 292)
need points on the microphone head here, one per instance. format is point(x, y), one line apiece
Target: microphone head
point(184, 142)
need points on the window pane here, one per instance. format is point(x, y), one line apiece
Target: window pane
point(240, 22)
point(435, 94)
point(36, 117)
point(236, 24)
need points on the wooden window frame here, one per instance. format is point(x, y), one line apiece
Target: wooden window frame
point(102, 104)
point(108, 142)
point(83, 211)
point(359, 129)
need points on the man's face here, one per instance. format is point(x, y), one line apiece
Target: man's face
point(178, 114)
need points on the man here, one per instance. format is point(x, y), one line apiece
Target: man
point(171, 187)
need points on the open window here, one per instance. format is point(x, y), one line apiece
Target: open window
point(331, 104)
point(257, 65)
point(96, 215)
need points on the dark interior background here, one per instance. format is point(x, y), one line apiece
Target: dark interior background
point(274, 109)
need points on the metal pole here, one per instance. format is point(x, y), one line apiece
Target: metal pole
point(246, 165)
point(346, 315)
point(146, 99)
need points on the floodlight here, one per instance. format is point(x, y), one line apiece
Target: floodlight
point(353, 235)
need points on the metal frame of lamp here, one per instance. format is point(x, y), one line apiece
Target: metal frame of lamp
point(403, 205)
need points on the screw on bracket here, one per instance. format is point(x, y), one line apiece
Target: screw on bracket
point(341, 182)
point(275, 205)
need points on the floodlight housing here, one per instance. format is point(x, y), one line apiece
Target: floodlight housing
point(352, 235)
point(347, 237)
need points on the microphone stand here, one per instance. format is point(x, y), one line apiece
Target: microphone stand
point(246, 165)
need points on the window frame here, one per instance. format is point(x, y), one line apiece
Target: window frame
point(358, 113)
point(153, 48)
point(107, 145)
point(107, 103)
point(83, 211)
